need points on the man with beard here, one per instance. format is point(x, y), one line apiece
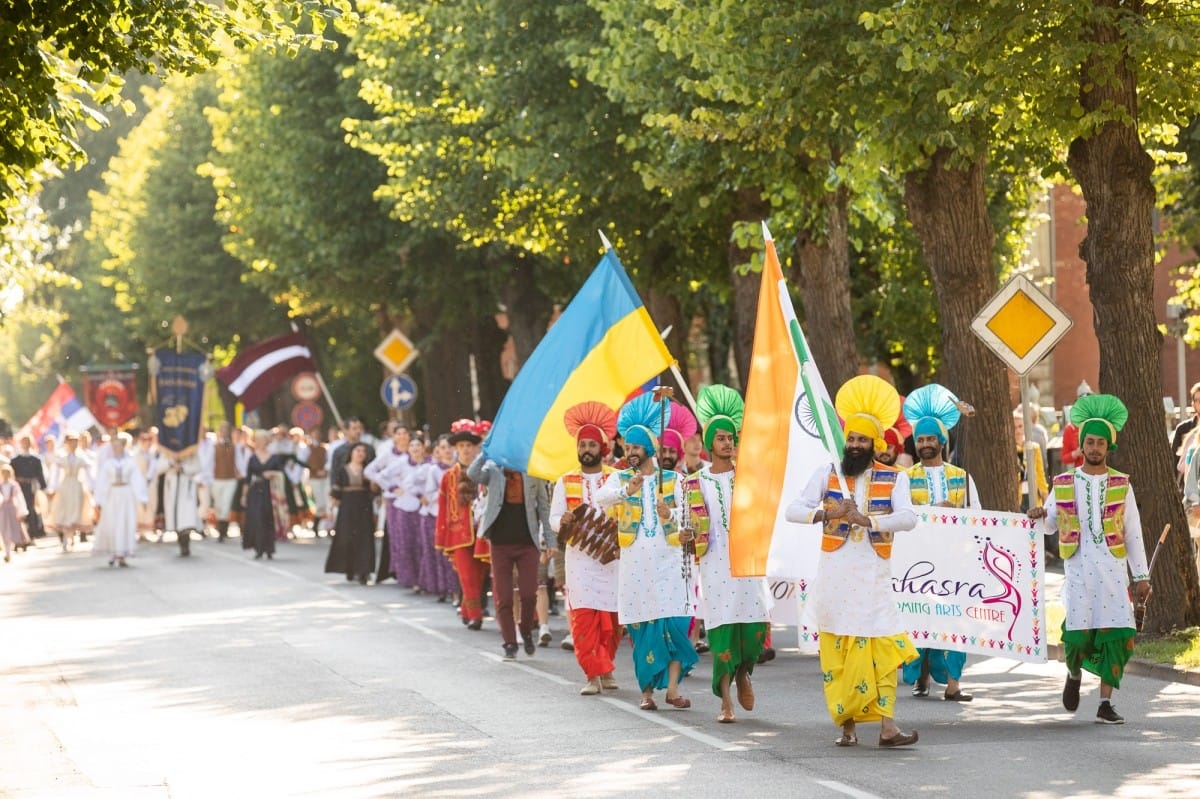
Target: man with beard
point(681, 425)
point(934, 411)
point(591, 586)
point(860, 507)
point(654, 599)
point(1093, 509)
point(893, 453)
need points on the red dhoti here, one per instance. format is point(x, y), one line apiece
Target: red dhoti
point(596, 634)
point(471, 573)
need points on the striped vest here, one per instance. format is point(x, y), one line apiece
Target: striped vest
point(573, 486)
point(956, 485)
point(697, 513)
point(1113, 519)
point(881, 483)
point(629, 510)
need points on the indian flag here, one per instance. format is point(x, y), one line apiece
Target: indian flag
point(790, 430)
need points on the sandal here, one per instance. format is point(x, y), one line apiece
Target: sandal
point(921, 689)
point(726, 717)
point(846, 739)
point(648, 704)
point(957, 696)
point(679, 702)
point(899, 739)
point(745, 690)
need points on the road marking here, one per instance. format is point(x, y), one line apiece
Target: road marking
point(655, 717)
point(842, 787)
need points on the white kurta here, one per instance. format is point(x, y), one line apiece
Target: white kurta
point(650, 582)
point(939, 488)
point(590, 584)
point(119, 489)
point(725, 599)
point(1096, 589)
point(853, 591)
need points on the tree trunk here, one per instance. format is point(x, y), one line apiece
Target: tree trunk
point(664, 310)
point(527, 305)
point(948, 209)
point(823, 260)
point(750, 206)
point(1113, 170)
point(487, 345)
point(446, 370)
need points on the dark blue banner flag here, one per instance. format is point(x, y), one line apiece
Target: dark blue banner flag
point(179, 393)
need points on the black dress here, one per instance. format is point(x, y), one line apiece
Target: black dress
point(352, 550)
point(258, 522)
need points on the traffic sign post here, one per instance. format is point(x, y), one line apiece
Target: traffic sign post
point(307, 415)
point(396, 352)
point(1021, 325)
point(398, 392)
point(306, 387)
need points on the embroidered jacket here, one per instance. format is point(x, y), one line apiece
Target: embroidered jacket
point(956, 485)
point(629, 509)
point(1113, 517)
point(882, 481)
point(697, 512)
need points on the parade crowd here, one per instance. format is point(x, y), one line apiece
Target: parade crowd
point(636, 539)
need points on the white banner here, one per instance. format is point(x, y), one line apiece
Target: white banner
point(965, 580)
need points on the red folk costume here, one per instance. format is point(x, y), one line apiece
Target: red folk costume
point(454, 532)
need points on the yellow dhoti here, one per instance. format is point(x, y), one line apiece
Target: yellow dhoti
point(860, 674)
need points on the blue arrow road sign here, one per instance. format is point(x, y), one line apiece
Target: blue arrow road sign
point(399, 392)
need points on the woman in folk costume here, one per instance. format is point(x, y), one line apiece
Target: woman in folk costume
point(120, 492)
point(653, 593)
point(13, 511)
point(591, 586)
point(352, 516)
point(437, 575)
point(736, 609)
point(1100, 539)
point(862, 639)
point(69, 484)
point(933, 412)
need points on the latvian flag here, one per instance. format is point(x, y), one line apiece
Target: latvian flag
point(259, 370)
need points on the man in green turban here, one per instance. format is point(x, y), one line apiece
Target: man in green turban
point(1093, 509)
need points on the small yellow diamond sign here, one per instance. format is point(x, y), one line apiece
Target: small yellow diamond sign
point(1021, 324)
point(396, 352)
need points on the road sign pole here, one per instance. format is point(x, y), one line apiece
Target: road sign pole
point(1027, 420)
point(329, 398)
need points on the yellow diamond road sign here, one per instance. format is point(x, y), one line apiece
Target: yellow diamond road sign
point(1021, 324)
point(396, 352)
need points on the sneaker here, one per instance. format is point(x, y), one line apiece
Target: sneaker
point(1107, 714)
point(1071, 693)
point(544, 636)
point(568, 644)
point(590, 688)
point(530, 647)
point(510, 651)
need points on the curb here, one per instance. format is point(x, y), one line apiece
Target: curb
point(1144, 668)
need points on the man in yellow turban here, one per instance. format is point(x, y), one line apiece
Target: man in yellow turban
point(860, 507)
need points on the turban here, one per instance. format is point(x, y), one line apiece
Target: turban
point(1099, 415)
point(719, 408)
point(863, 402)
point(592, 421)
point(681, 425)
point(640, 422)
point(933, 411)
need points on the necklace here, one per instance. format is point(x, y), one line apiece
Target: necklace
point(650, 489)
point(1095, 514)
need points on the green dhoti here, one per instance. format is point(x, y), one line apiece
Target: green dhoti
point(734, 646)
point(1103, 652)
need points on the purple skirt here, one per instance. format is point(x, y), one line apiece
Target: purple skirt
point(404, 530)
point(437, 572)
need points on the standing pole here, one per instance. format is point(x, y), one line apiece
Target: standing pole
point(329, 398)
point(1027, 421)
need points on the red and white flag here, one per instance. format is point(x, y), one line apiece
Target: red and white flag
point(259, 370)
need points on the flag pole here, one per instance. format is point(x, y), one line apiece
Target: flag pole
point(321, 382)
point(683, 386)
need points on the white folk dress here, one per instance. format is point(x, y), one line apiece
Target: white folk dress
point(119, 488)
point(590, 583)
point(1096, 589)
point(725, 599)
point(853, 591)
point(651, 583)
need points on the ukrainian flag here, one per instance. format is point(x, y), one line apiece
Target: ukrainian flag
point(602, 348)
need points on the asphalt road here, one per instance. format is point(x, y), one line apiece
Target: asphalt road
point(221, 676)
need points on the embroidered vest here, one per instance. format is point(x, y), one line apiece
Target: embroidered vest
point(956, 485)
point(693, 497)
point(573, 486)
point(1113, 517)
point(629, 510)
point(879, 502)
